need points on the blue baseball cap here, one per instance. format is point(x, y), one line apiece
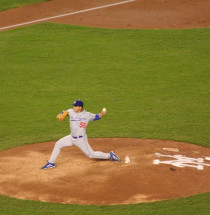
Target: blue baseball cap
point(78, 103)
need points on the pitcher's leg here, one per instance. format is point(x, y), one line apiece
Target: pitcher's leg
point(87, 150)
point(63, 142)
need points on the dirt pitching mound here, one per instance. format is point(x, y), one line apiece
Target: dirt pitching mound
point(157, 170)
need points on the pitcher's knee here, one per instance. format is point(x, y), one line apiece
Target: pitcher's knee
point(91, 155)
point(59, 145)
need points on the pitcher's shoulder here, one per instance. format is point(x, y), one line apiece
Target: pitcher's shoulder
point(70, 111)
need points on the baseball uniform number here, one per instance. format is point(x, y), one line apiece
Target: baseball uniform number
point(82, 125)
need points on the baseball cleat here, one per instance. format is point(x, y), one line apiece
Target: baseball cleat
point(114, 157)
point(48, 165)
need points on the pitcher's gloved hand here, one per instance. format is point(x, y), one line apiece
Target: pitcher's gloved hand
point(61, 116)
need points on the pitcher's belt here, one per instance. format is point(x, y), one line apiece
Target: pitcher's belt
point(77, 137)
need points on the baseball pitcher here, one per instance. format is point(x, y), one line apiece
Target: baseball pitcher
point(78, 119)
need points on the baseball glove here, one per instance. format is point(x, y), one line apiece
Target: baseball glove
point(61, 116)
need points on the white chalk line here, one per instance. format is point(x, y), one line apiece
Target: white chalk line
point(182, 161)
point(67, 14)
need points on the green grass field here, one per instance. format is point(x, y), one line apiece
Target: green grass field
point(154, 83)
point(9, 4)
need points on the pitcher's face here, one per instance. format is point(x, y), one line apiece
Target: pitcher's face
point(78, 109)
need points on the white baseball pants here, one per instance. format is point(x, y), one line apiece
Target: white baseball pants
point(81, 143)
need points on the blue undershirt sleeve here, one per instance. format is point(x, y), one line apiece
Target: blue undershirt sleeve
point(96, 117)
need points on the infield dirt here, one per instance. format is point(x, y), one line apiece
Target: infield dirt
point(138, 14)
point(80, 180)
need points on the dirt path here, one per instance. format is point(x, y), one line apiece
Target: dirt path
point(137, 14)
